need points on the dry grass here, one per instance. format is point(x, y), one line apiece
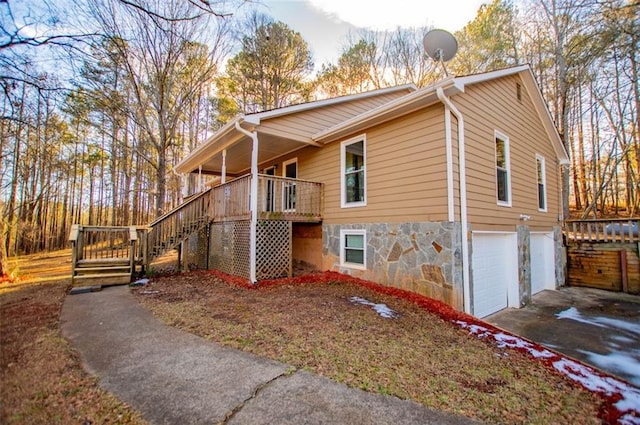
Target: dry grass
point(417, 356)
point(41, 378)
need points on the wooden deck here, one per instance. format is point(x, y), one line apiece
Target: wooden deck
point(603, 254)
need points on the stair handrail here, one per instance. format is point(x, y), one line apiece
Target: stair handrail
point(179, 207)
point(163, 230)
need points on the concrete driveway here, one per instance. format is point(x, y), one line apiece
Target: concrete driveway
point(600, 328)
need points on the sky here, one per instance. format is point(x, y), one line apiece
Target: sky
point(324, 24)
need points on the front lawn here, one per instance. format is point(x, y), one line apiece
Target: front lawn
point(417, 355)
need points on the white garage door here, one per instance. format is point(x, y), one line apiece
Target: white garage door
point(495, 267)
point(543, 274)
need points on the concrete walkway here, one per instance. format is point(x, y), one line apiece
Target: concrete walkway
point(173, 377)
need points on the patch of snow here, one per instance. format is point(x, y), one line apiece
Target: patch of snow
point(140, 282)
point(629, 419)
point(382, 309)
point(620, 362)
point(602, 322)
point(506, 341)
point(622, 339)
point(629, 403)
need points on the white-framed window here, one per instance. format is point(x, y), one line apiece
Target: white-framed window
point(353, 175)
point(542, 183)
point(353, 252)
point(503, 170)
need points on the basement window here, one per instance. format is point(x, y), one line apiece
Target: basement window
point(352, 248)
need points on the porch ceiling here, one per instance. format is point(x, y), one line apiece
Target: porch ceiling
point(239, 154)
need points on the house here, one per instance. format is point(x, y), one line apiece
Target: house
point(452, 191)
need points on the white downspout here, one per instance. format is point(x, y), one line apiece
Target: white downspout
point(449, 151)
point(253, 204)
point(463, 198)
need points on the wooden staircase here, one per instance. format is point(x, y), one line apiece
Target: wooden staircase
point(174, 227)
point(109, 255)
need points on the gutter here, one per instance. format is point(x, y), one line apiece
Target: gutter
point(253, 205)
point(450, 107)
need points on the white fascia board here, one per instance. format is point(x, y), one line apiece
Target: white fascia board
point(450, 85)
point(287, 110)
point(492, 75)
point(191, 161)
point(544, 114)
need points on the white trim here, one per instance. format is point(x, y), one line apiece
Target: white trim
point(507, 154)
point(253, 200)
point(258, 116)
point(549, 258)
point(510, 265)
point(544, 182)
point(462, 172)
point(343, 234)
point(343, 181)
point(449, 156)
point(286, 186)
point(486, 76)
point(287, 162)
point(223, 178)
point(403, 105)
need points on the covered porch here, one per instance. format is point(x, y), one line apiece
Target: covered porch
point(252, 210)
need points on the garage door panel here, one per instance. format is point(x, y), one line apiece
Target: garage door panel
point(542, 262)
point(492, 272)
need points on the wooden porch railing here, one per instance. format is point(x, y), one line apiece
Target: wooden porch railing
point(231, 200)
point(167, 231)
point(603, 230)
point(279, 198)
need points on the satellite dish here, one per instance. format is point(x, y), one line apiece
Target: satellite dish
point(440, 46)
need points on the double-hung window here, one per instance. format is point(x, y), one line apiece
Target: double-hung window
point(352, 248)
point(353, 172)
point(542, 183)
point(503, 177)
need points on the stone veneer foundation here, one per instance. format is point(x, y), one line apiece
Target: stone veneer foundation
point(423, 257)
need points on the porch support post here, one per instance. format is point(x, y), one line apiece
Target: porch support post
point(253, 204)
point(223, 178)
point(199, 178)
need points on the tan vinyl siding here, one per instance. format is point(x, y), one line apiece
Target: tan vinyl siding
point(405, 168)
point(307, 123)
point(492, 106)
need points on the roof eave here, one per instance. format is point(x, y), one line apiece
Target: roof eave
point(390, 110)
point(194, 158)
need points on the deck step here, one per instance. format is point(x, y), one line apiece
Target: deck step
point(102, 275)
point(97, 262)
point(103, 279)
point(123, 268)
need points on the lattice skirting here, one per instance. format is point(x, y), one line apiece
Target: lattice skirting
point(229, 247)
point(273, 253)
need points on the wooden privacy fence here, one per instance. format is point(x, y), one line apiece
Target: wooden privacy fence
point(603, 254)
